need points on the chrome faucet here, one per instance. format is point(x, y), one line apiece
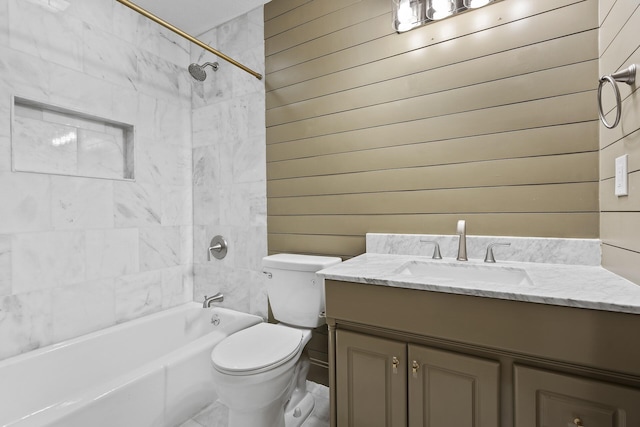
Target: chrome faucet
point(208, 300)
point(462, 243)
point(436, 248)
point(489, 255)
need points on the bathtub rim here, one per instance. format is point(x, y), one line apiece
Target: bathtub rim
point(110, 329)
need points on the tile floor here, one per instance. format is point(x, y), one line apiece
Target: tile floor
point(215, 415)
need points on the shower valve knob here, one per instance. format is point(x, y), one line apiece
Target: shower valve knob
point(217, 248)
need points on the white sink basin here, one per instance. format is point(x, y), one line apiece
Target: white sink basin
point(462, 272)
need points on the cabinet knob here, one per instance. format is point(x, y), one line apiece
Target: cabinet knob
point(578, 422)
point(395, 362)
point(414, 368)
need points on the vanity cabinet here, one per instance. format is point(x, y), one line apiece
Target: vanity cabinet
point(451, 389)
point(389, 383)
point(479, 362)
point(544, 398)
point(371, 380)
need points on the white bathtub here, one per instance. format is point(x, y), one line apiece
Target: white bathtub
point(153, 371)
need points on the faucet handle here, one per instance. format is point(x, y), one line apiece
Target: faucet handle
point(436, 248)
point(489, 255)
point(217, 248)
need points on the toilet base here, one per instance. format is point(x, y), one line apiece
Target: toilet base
point(295, 416)
point(271, 416)
point(290, 409)
point(275, 415)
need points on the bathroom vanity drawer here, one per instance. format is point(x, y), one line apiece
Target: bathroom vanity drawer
point(544, 398)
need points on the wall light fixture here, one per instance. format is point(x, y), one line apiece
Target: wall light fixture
point(409, 14)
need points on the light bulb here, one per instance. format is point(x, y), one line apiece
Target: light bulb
point(440, 9)
point(472, 4)
point(406, 16)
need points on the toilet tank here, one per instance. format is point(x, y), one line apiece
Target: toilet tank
point(296, 292)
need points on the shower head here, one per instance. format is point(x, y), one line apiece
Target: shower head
point(197, 71)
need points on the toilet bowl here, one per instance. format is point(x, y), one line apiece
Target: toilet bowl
point(260, 372)
point(257, 373)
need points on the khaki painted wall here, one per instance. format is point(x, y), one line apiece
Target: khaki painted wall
point(620, 216)
point(489, 116)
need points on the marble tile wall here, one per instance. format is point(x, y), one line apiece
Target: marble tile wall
point(48, 141)
point(79, 254)
point(229, 166)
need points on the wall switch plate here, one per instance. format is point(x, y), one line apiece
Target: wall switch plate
point(622, 177)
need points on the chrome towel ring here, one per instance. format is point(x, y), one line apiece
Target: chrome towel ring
point(628, 76)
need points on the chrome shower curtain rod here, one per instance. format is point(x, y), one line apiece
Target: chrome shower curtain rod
point(192, 39)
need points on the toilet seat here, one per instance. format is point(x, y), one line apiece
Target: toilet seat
point(259, 348)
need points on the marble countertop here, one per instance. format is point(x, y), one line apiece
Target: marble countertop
point(581, 286)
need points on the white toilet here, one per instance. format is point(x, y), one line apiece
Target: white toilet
point(259, 373)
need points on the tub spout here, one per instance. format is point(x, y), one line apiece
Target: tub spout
point(208, 300)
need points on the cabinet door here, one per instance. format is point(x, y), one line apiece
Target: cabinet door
point(371, 382)
point(548, 399)
point(449, 389)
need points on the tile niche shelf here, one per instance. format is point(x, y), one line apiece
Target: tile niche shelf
point(54, 140)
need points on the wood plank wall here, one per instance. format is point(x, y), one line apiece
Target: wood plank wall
point(620, 216)
point(489, 116)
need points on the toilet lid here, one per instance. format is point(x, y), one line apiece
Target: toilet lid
point(260, 347)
